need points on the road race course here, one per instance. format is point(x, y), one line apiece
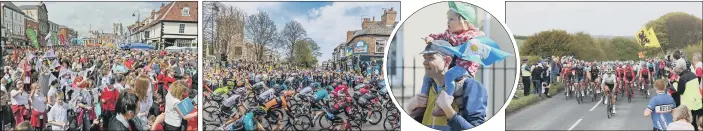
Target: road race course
point(557, 113)
point(367, 126)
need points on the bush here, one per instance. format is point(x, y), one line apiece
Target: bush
point(692, 50)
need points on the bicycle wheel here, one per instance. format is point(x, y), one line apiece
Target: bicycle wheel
point(211, 111)
point(302, 122)
point(629, 94)
point(388, 123)
point(608, 109)
point(354, 128)
point(375, 117)
point(324, 122)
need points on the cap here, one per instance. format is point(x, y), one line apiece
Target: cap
point(466, 10)
point(436, 47)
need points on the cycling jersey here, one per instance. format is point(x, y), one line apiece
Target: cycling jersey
point(629, 73)
point(594, 73)
point(609, 79)
point(268, 94)
point(305, 90)
point(645, 73)
point(340, 88)
point(229, 102)
point(321, 94)
point(618, 72)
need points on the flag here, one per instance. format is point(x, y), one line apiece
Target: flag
point(653, 41)
point(640, 54)
point(480, 49)
point(641, 36)
point(32, 37)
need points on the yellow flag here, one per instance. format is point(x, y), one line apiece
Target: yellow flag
point(653, 41)
point(641, 36)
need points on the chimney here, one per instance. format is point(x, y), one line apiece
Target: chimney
point(388, 17)
point(153, 12)
point(373, 18)
point(162, 4)
point(366, 23)
point(349, 35)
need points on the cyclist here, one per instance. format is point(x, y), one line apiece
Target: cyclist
point(608, 83)
point(629, 76)
point(579, 73)
point(594, 74)
point(644, 75)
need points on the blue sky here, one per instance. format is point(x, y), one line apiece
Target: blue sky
point(100, 15)
point(325, 22)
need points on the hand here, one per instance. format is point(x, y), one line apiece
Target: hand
point(428, 40)
point(444, 101)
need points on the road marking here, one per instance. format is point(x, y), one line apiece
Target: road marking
point(577, 122)
point(594, 107)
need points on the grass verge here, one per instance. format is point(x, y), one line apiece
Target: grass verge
point(525, 101)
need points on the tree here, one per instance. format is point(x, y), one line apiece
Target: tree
point(230, 28)
point(314, 47)
point(625, 49)
point(304, 54)
point(548, 43)
point(261, 30)
point(586, 47)
point(677, 29)
point(290, 34)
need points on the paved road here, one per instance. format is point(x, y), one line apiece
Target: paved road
point(557, 113)
point(379, 126)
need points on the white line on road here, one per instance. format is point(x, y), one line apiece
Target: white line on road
point(594, 107)
point(577, 122)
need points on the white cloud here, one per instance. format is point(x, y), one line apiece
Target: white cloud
point(330, 26)
point(100, 15)
point(253, 7)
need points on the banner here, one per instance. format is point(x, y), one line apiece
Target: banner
point(63, 39)
point(653, 41)
point(361, 47)
point(349, 51)
point(32, 37)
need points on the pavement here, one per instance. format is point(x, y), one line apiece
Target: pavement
point(557, 113)
point(207, 126)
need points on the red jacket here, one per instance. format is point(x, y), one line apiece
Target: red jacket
point(110, 98)
point(163, 78)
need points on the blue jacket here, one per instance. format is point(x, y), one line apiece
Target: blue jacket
point(472, 106)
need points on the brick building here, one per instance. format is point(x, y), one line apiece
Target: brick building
point(367, 44)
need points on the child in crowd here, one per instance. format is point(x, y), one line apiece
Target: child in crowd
point(462, 28)
point(58, 115)
point(108, 98)
point(660, 106)
point(19, 100)
point(38, 102)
